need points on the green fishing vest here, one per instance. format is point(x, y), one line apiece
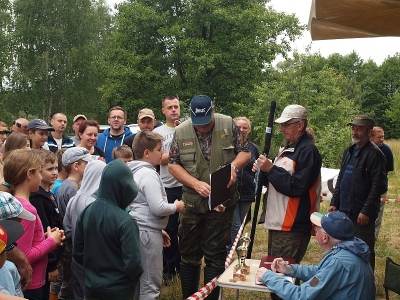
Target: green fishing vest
point(192, 159)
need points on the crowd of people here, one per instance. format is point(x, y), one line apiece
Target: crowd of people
point(115, 214)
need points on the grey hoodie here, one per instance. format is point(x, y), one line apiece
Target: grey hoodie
point(150, 208)
point(84, 196)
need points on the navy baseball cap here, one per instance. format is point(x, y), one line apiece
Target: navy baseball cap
point(39, 124)
point(201, 109)
point(337, 224)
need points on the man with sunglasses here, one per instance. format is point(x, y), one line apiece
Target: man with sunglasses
point(20, 125)
point(199, 147)
point(293, 186)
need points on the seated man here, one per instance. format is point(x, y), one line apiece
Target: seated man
point(343, 273)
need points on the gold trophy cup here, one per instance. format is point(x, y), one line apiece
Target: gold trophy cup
point(241, 269)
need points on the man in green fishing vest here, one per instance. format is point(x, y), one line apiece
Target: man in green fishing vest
point(200, 146)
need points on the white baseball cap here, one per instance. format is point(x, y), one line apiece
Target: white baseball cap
point(10, 207)
point(293, 111)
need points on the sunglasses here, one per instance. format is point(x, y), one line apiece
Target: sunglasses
point(19, 125)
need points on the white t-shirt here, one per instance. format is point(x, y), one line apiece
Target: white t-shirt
point(59, 142)
point(167, 133)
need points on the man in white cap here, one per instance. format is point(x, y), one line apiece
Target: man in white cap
point(146, 121)
point(293, 186)
point(343, 273)
point(76, 122)
point(20, 125)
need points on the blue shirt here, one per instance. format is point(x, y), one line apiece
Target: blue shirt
point(346, 182)
point(10, 280)
point(343, 273)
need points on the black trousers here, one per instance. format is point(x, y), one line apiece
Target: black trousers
point(367, 234)
point(171, 255)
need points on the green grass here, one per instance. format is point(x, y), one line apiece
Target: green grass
point(388, 243)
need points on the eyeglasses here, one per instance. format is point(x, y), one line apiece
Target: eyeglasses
point(116, 117)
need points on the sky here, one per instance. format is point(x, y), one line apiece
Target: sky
point(376, 49)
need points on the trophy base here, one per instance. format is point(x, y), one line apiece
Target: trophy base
point(242, 269)
point(237, 276)
point(240, 272)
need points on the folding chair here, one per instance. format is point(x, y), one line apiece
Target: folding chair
point(392, 277)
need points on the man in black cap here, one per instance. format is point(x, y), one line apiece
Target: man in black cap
point(361, 182)
point(38, 134)
point(200, 146)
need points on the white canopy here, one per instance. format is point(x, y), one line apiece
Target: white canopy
point(341, 19)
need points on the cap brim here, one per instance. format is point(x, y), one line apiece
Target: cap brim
point(316, 218)
point(43, 128)
point(147, 116)
point(77, 117)
point(199, 121)
point(281, 120)
point(87, 157)
point(359, 124)
point(14, 230)
point(26, 215)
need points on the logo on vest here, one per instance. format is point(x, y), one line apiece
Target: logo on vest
point(187, 144)
point(200, 110)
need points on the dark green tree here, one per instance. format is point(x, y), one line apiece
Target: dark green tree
point(5, 55)
point(215, 47)
point(322, 90)
point(55, 48)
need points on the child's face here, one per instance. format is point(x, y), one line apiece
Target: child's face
point(80, 167)
point(3, 258)
point(126, 160)
point(49, 173)
point(38, 138)
point(153, 156)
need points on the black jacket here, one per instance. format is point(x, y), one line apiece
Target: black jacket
point(107, 238)
point(302, 186)
point(46, 207)
point(66, 143)
point(368, 181)
point(246, 184)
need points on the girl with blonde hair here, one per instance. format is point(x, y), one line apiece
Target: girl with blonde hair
point(22, 177)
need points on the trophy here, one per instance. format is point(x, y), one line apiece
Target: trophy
point(241, 269)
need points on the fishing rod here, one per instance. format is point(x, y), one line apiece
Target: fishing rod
point(267, 146)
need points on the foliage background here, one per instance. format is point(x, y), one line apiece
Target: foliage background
point(77, 57)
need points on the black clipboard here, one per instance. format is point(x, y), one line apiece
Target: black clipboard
point(218, 182)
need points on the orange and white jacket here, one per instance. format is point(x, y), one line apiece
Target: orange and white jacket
point(294, 185)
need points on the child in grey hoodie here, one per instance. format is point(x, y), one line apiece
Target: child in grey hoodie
point(150, 209)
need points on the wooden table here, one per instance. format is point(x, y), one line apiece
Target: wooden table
point(224, 281)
